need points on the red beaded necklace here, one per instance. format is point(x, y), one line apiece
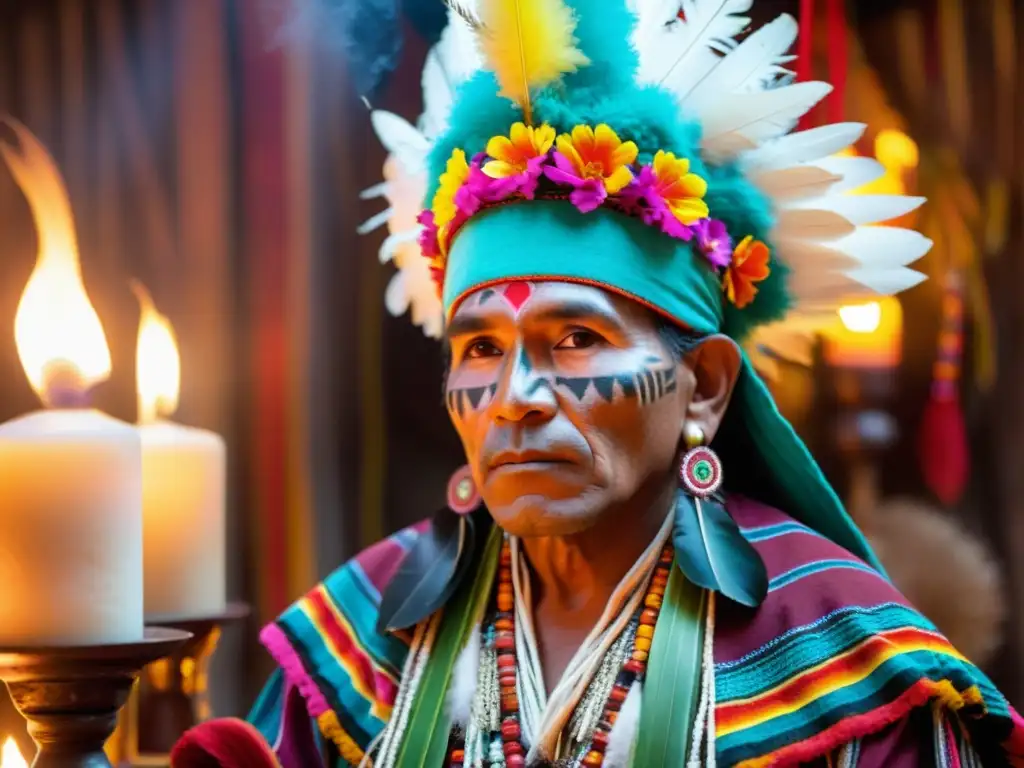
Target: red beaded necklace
point(505, 644)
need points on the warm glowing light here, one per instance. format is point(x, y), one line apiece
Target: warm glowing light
point(894, 149)
point(11, 757)
point(58, 335)
point(862, 318)
point(158, 365)
point(866, 335)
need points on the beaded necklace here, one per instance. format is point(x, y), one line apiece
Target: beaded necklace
point(502, 632)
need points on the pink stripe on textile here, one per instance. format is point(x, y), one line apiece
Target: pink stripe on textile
point(277, 645)
point(951, 748)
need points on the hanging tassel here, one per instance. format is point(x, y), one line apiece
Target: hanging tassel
point(943, 450)
point(713, 553)
point(528, 44)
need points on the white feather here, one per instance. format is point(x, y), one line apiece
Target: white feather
point(799, 182)
point(377, 190)
point(887, 282)
point(449, 63)
point(765, 115)
point(817, 290)
point(863, 209)
point(396, 297)
point(401, 139)
point(803, 146)
point(722, 149)
point(855, 172)
point(375, 221)
point(393, 242)
point(676, 54)
point(749, 66)
point(463, 681)
point(623, 733)
point(884, 247)
point(814, 257)
point(809, 224)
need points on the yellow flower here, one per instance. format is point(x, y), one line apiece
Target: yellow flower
point(749, 266)
point(455, 175)
point(681, 190)
point(511, 153)
point(599, 154)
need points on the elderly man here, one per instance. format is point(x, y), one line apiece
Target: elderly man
point(641, 564)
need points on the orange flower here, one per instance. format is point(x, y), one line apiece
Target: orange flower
point(599, 154)
point(681, 190)
point(512, 153)
point(749, 266)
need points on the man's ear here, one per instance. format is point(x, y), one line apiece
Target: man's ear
point(714, 366)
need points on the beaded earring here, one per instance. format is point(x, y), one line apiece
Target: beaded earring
point(710, 549)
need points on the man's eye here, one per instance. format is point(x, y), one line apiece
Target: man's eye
point(481, 348)
point(579, 340)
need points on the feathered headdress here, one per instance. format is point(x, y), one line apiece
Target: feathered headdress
point(791, 188)
point(673, 140)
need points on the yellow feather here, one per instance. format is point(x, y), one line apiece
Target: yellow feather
point(528, 44)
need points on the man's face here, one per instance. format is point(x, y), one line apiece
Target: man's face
point(566, 400)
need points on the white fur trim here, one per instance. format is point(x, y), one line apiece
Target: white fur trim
point(620, 740)
point(464, 677)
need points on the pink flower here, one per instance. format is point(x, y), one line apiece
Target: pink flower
point(588, 193)
point(428, 235)
point(643, 198)
point(714, 241)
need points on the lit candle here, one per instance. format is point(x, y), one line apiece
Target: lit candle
point(11, 755)
point(70, 477)
point(183, 480)
point(866, 336)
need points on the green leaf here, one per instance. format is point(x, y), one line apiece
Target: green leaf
point(672, 686)
point(425, 742)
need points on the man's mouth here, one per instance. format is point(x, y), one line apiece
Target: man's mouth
point(525, 460)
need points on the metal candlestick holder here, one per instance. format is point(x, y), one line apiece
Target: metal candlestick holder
point(70, 697)
point(172, 694)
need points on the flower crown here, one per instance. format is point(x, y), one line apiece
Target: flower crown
point(591, 167)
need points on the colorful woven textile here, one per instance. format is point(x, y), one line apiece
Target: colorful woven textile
point(833, 654)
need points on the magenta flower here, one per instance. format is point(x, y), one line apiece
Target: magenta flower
point(428, 235)
point(714, 241)
point(587, 194)
point(642, 198)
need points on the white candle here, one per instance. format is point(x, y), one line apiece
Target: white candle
point(183, 481)
point(70, 478)
point(183, 471)
point(70, 530)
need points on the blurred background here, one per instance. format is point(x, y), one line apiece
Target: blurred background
point(215, 150)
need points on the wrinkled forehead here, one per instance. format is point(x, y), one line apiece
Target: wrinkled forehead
point(521, 303)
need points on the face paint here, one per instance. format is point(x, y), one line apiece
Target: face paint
point(566, 401)
point(517, 294)
point(463, 399)
point(647, 385)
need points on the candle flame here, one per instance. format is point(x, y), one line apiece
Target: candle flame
point(862, 318)
point(158, 365)
point(11, 757)
point(58, 334)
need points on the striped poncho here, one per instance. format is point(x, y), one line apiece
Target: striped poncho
point(834, 656)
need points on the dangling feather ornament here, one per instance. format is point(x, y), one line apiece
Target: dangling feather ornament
point(528, 44)
point(711, 551)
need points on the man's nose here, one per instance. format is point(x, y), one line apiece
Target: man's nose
point(526, 393)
